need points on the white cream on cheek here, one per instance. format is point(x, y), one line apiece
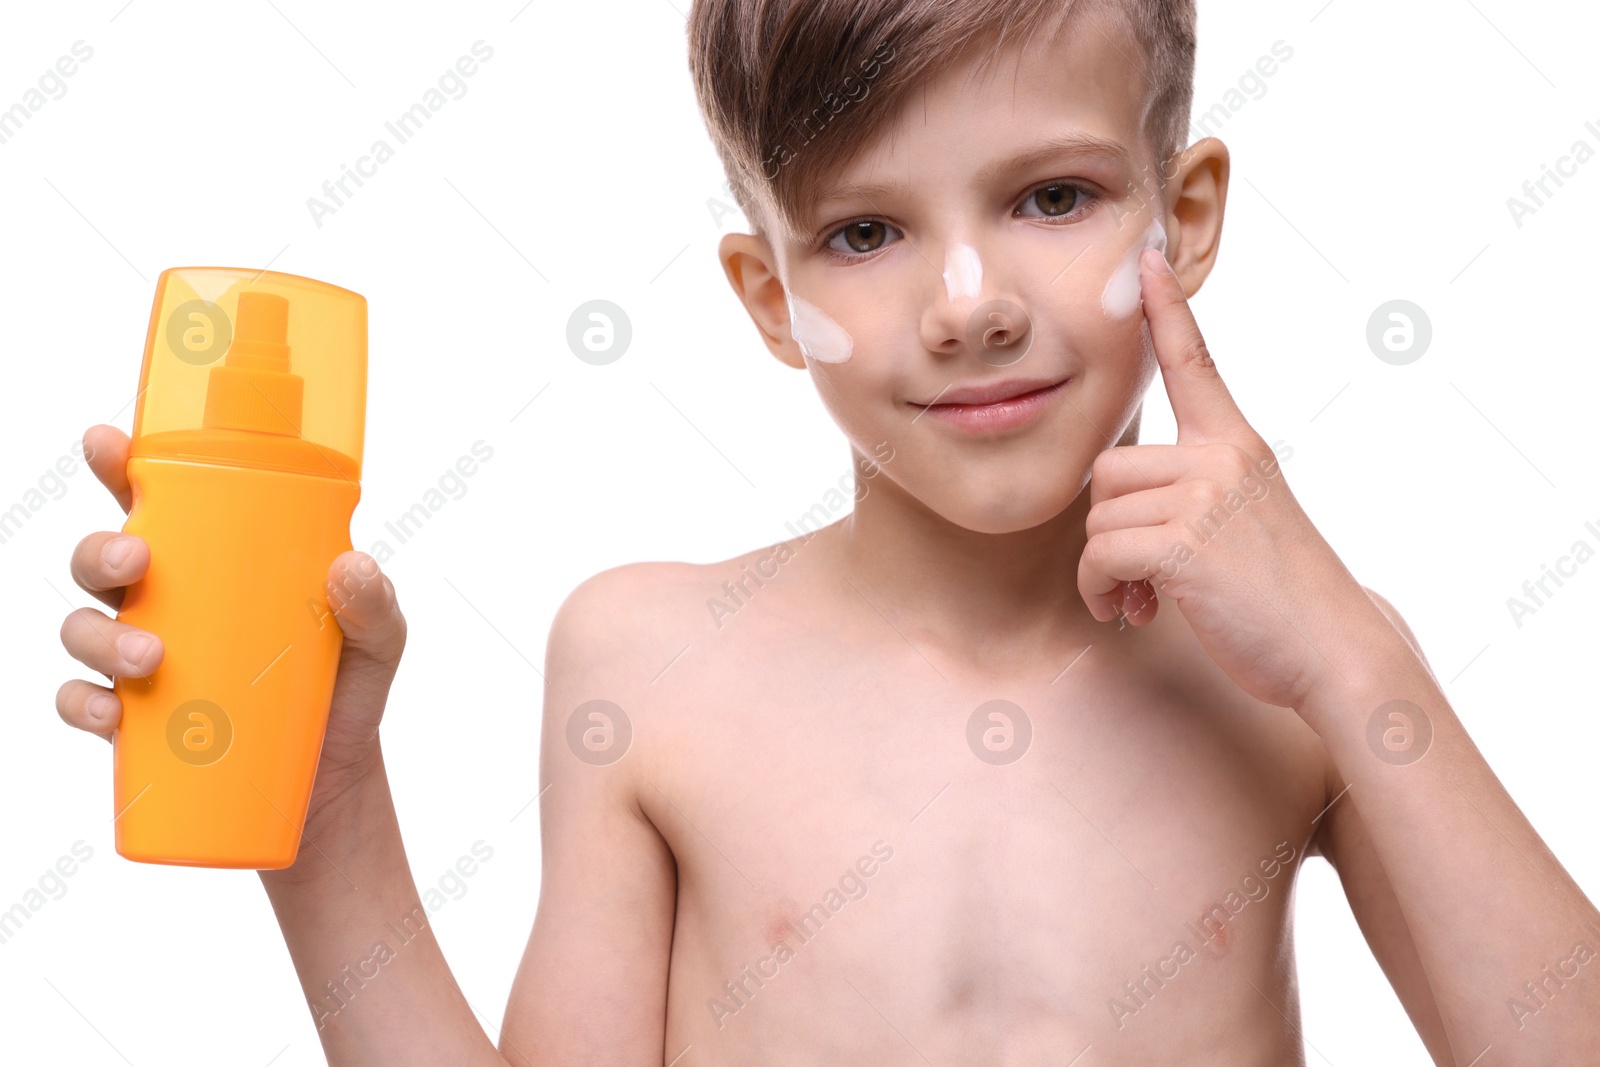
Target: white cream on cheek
point(963, 272)
point(824, 340)
point(1121, 294)
point(818, 336)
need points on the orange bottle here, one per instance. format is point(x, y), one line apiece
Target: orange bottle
point(245, 466)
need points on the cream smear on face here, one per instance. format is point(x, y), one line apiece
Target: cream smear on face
point(817, 335)
point(1121, 294)
point(963, 272)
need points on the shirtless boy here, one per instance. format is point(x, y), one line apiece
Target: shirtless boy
point(1015, 764)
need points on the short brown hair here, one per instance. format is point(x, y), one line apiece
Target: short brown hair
point(774, 74)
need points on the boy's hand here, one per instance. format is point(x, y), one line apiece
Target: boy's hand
point(1210, 523)
point(362, 598)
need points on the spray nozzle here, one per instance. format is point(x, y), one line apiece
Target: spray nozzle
point(252, 389)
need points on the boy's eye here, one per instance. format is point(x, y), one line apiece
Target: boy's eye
point(1057, 198)
point(1054, 200)
point(867, 235)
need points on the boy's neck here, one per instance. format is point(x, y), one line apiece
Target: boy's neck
point(1013, 594)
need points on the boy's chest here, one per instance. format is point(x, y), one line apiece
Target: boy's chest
point(984, 841)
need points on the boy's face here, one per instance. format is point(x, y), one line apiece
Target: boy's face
point(936, 237)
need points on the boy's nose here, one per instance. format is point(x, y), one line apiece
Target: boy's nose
point(999, 332)
point(975, 312)
point(963, 271)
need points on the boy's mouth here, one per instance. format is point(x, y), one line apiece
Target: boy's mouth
point(993, 405)
point(990, 392)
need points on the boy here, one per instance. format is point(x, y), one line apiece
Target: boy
point(911, 795)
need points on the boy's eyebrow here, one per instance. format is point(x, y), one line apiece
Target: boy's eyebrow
point(1067, 144)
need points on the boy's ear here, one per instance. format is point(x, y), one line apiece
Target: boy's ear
point(751, 267)
point(1196, 195)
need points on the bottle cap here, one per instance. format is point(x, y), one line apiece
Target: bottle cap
point(254, 368)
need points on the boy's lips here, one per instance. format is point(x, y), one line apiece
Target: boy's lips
point(995, 406)
point(988, 392)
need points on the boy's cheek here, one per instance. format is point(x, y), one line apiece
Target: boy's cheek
point(862, 404)
point(1068, 331)
point(1113, 368)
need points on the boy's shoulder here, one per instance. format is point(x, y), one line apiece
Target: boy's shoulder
point(637, 613)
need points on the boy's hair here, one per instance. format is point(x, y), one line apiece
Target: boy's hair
point(791, 89)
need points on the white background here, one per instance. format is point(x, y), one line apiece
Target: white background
point(1376, 165)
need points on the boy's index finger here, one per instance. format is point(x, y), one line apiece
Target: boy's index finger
point(105, 450)
point(1201, 403)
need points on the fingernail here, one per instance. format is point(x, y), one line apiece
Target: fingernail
point(1157, 261)
point(133, 646)
point(102, 706)
point(116, 552)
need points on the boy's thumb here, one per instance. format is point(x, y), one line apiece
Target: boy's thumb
point(363, 601)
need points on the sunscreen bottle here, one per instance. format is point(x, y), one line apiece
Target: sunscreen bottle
point(245, 467)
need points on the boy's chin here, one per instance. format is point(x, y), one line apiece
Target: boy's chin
point(1002, 510)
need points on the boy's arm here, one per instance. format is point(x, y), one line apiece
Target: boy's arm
point(1341, 838)
point(1479, 903)
point(1501, 929)
point(592, 987)
point(379, 988)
